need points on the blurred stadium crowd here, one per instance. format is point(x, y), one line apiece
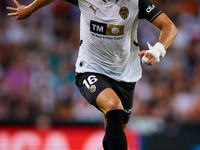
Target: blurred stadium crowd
point(37, 58)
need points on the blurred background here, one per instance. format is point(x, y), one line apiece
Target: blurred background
point(37, 63)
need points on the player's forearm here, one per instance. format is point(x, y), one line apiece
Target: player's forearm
point(37, 4)
point(168, 34)
point(168, 30)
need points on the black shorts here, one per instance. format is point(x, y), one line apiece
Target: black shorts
point(92, 84)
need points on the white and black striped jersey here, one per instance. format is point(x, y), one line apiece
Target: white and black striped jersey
point(108, 35)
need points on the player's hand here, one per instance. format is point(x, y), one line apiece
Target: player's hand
point(151, 59)
point(21, 12)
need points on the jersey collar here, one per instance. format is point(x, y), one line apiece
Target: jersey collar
point(110, 2)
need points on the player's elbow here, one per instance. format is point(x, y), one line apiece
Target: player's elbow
point(171, 29)
point(174, 30)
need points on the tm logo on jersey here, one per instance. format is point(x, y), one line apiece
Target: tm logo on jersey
point(106, 29)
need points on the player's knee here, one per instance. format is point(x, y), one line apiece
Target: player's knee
point(114, 104)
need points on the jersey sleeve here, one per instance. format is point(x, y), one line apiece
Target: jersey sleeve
point(148, 11)
point(75, 2)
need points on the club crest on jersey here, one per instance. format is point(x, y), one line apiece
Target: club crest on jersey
point(124, 12)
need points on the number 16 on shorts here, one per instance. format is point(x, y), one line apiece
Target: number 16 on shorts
point(89, 83)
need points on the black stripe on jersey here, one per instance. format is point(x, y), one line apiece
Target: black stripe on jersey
point(75, 2)
point(135, 43)
point(155, 16)
point(148, 11)
point(81, 42)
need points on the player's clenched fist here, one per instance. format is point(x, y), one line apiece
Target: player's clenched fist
point(151, 56)
point(147, 58)
point(21, 12)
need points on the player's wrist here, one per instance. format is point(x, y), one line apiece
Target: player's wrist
point(159, 46)
point(157, 50)
point(30, 10)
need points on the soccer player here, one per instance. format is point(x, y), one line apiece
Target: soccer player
point(108, 64)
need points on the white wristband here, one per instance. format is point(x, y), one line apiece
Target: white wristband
point(157, 50)
point(160, 47)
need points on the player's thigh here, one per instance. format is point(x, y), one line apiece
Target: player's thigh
point(108, 100)
point(96, 88)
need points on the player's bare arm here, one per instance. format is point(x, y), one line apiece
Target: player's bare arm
point(167, 36)
point(169, 30)
point(23, 12)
